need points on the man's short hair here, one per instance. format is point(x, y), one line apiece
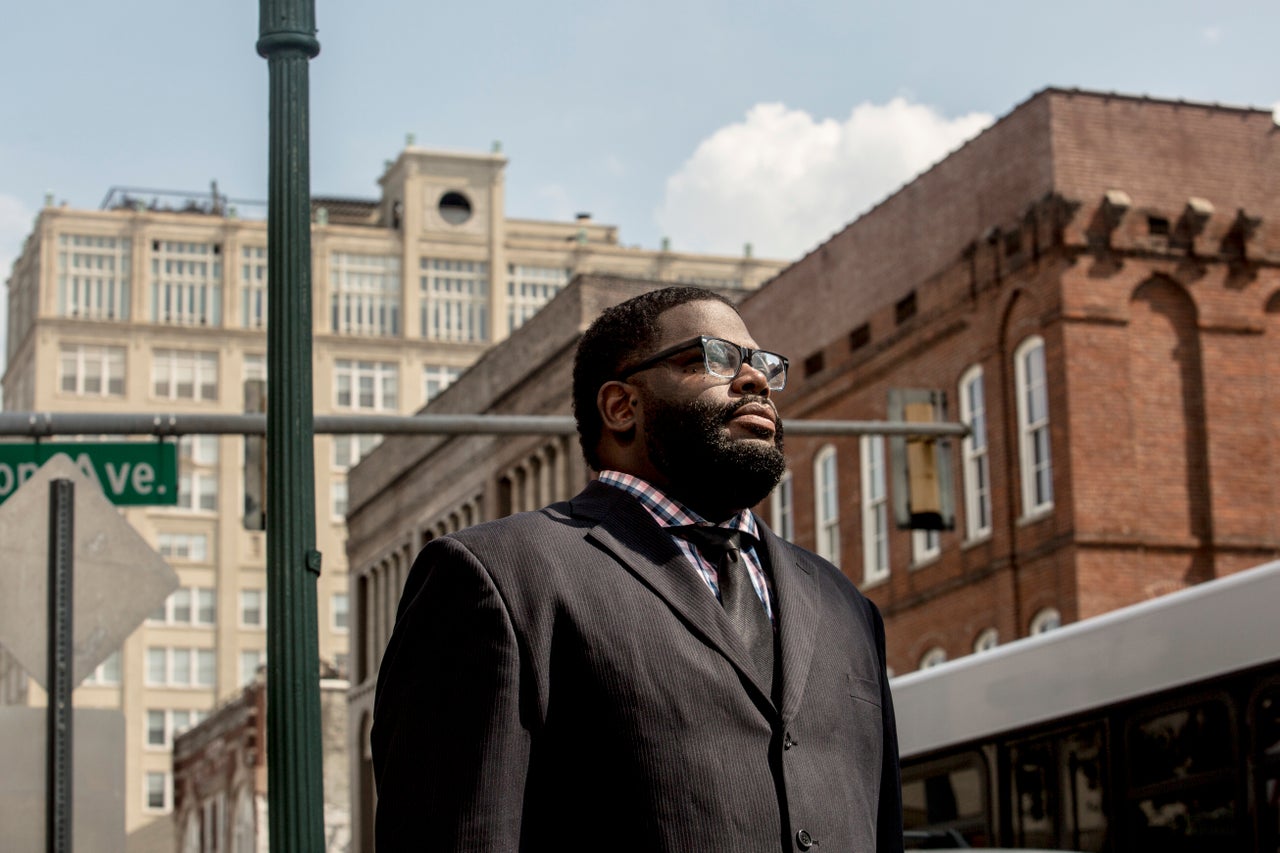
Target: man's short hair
point(621, 334)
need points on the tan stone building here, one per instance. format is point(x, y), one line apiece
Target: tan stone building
point(146, 307)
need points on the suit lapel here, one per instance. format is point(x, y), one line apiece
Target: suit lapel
point(626, 530)
point(795, 586)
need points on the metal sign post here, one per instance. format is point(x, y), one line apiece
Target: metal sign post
point(78, 580)
point(58, 766)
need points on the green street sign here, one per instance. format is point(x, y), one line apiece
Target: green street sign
point(130, 473)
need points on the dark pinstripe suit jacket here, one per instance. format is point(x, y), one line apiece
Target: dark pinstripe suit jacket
point(564, 680)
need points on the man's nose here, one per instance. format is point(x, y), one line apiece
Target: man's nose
point(750, 380)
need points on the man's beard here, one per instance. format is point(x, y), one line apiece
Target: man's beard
point(704, 467)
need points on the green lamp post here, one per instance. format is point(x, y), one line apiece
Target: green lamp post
point(287, 39)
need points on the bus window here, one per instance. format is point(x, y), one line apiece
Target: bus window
point(1182, 783)
point(1056, 787)
point(947, 797)
point(1266, 758)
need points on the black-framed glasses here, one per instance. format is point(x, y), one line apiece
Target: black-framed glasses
point(724, 359)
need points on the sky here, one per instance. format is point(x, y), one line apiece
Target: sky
point(713, 123)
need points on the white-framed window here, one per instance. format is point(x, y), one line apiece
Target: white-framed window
point(826, 505)
point(188, 606)
point(157, 794)
point(371, 386)
point(1036, 463)
point(250, 661)
point(180, 667)
point(436, 378)
point(350, 449)
point(529, 288)
point(782, 510)
point(453, 300)
point(255, 367)
point(934, 657)
point(205, 609)
point(184, 375)
point(986, 641)
point(253, 608)
point(926, 545)
point(340, 612)
point(162, 726)
point(198, 491)
point(1048, 619)
point(875, 510)
point(107, 673)
point(253, 287)
point(365, 294)
point(338, 497)
point(94, 276)
point(183, 546)
point(198, 449)
point(198, 473)
point(973, 449)
point(347, 451)
point(186, 283)
point(90, 370)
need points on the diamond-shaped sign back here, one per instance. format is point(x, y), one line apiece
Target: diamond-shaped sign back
point(118, 578)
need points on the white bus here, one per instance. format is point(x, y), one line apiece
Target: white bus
point(1151, 728)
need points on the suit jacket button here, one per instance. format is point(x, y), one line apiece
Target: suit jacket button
point(804, 840)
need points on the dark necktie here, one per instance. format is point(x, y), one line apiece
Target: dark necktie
point(742, 605)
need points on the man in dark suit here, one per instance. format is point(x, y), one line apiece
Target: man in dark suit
point(647, 666)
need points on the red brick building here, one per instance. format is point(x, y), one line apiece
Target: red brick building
point(220, 774)
point(1094, 282)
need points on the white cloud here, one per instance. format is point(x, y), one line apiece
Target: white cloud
point(15, 225)
point(1275, 112)
point(1212, 35)
point(785, 181)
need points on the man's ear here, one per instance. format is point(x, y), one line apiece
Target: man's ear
point(617, 403)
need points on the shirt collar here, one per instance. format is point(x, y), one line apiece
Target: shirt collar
point(669, 512)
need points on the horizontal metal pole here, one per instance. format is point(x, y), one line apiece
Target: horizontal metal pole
point(44, 424)
point(874, 428)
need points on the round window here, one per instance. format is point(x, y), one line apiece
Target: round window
point(455, 208)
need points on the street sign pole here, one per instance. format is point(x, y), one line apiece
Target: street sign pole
point(294, 773)
point(58, 731)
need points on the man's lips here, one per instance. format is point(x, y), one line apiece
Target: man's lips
point(756, 417)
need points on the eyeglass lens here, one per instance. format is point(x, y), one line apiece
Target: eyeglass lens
point(725, 358)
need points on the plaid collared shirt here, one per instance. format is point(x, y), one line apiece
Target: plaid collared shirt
point(670, 513)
